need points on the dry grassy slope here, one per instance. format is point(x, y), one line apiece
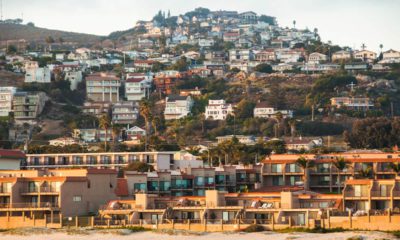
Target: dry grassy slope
point(16, 31)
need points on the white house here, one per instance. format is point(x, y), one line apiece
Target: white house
point(137, 87)
point(341, 55)
point(206, 42)
point(263, 110)
point(316, 57)
point(177, 107)
point(74, 77)
point(39, 75)
point(218, 110)
point(391, 56)
point(365, 55)
point(63, 141)
point(6, 98)
point(135, 133)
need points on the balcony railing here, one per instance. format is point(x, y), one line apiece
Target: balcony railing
point(354, 194)
point(49, 189)
point(380, 193)
point(29, 205)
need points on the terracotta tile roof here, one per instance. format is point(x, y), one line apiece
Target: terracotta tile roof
point(4, 153)
point(122, 187)
point(135, 80)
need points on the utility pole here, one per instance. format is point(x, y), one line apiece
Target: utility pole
point(391, 109)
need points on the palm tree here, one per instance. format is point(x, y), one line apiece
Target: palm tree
point(315, 32)
point(340, 164)
point(294, 23)
point(305, 164)
point(381, 47)
point(145, 112)
point(156, 121)
point(105, 123)
point(395, 167)
point(116, 131)
point(365, 172)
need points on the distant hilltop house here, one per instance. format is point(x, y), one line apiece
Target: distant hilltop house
point(302, 144)
point(341, 55)
point(177, 107)
point(248, 140)
point(63, 141)
point(365, 55)
point(263, 110)
point(359, 103)
point(316, 57)
point(218, 110)
point(34, 73)
point(390, 56)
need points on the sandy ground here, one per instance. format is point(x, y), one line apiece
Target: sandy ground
point(95, 235)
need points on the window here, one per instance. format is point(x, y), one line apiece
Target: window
point(276, 168)
point(77, 198)
point(139, 187)
point(277, 180)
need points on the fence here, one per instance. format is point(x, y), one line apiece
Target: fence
point(370, 220)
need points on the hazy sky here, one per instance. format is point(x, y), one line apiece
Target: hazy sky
point(344, 22)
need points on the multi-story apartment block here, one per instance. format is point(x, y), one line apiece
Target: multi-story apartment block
point(6, 99)
point(53, 192)
point(193, 181)
point(218, 110)
point(358, 103)
point(103, 87)
point(177, 107)
point(125, 112)
point(28, 105)
point(282, 170)
point(96, 108)
point(114, 160)
point(241, 54)
point(263, 110)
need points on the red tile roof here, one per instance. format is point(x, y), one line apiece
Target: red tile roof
point(134, 80)
point(5, 153)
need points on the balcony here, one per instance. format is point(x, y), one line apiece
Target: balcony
point(29, 190)
point(28, 205)
point(49, 190)
point(354, 194)
point(381, 194)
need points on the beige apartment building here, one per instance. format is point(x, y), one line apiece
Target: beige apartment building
point(69, 192)
point(103, 87)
